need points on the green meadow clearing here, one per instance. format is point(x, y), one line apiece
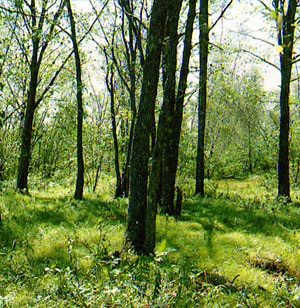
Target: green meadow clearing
point(237, 247)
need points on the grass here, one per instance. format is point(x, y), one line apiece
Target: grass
point(237, 247)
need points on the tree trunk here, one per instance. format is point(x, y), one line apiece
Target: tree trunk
point(285, 39)
point(25, 156)
point(204, 42)
point(131, 63)
point(171, 155)
point(111, 89)
point(155, 176)
point(37, 25)
point(80, 164)
point(168, 107)
point(250, 150)
point(136, 219)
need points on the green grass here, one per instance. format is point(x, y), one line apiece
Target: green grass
point(58, 252)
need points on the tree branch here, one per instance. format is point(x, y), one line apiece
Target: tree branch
point(261, 58)
point(253, 37)
point(221, 15)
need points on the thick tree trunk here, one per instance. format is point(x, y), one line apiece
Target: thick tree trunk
point(154, 186)
point(171, 156)
point(136, 219)
point(286, 39)
point(204, 42)
point(155, 176)
point(80, 163)
point(168, 108)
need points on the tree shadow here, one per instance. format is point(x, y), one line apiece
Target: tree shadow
point(235, 216)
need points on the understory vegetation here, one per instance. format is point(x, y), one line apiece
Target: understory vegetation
point(237, 247)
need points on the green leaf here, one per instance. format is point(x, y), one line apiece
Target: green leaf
point(279, 48)
point(162, 246)
point(273, 15)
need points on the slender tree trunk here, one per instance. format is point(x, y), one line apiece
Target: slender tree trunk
point(250, 150)
point(204, 42)
point(131, 63)
point(97, 174)
point(25, 156)
point(286, 39)
point(136, 219)
point(80, 163)
point(37, 24)
point(111, 89)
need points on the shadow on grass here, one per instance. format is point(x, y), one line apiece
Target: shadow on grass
point(237, 217)
point(25, 216)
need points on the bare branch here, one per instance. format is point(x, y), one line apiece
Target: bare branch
point(221, 15)
point(261, 58)
point(253, 37)
point(264, 5)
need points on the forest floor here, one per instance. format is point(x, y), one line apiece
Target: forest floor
point(237, 247)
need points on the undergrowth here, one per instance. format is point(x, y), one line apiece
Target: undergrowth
point(229, 249)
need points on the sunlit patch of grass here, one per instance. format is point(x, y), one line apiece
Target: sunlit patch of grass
point(58, 252)
point(253, 186)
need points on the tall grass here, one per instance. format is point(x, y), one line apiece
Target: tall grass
point(237, 247)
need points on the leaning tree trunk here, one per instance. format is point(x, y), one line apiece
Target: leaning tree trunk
point(136, 219)
point(204, 42)
point(80, 164)
point(286, 40)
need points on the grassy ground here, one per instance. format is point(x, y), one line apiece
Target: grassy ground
point(238, 247)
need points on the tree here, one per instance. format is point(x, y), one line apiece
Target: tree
point(80, 163)
point(286, 32)
point(203, 60)
point(136, 229)
point(40, 39)
point(203, 56)
point(174, 113)
point(124, 46)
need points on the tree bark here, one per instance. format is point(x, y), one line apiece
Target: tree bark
point(111, 89)
point(136, 219)
point(131, 55)
point(168, 108)
point(80, 163)
point(155, 176)
point(171, 155)
point(204, 42)
point(25, 156)
point(285, 39)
